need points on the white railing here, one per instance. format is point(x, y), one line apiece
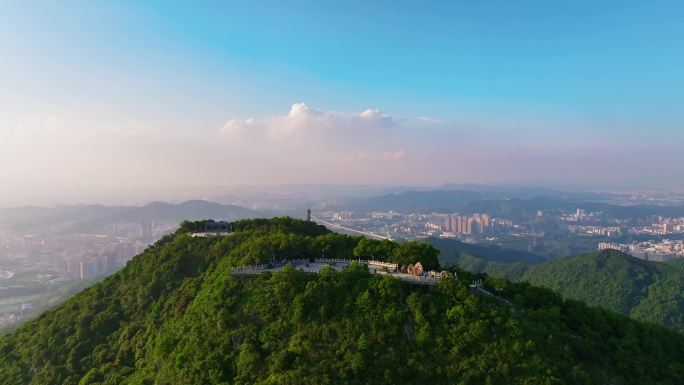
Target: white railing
point(429, 278)
point(361, 261)
point(383, 264)
point(209, 234)
point(389, 265)
point(267, 266)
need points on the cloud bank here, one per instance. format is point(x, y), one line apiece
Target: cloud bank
point(53, 159)
point(318, 143)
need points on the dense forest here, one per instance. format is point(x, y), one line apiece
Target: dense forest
point(648, 291)
point(176, 315)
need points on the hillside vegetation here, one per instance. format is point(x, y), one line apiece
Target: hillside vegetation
point(648, 291)
point(176, 315)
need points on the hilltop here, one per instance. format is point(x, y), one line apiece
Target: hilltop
point(176, 315)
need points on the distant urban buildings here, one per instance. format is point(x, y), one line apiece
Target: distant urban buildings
point(393, 225)
point(596, 230)
point(662, 251)
point(110, 259)
point(474, 224)
point(521, 230)
point(581, 215)
point(146, 229)
point(56, 256)
point(661, 226)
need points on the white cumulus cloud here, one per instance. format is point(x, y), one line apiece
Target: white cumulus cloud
point(304, 120)
point(394, 155)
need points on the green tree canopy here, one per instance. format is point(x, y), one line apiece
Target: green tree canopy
point(378, 250)
point(412, 252)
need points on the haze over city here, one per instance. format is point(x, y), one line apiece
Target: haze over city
point(127, 101)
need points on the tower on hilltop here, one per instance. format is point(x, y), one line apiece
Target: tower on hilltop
point(308, 214)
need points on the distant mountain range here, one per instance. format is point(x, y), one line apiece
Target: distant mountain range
point(644, 290)
point(438, 200)
point(454, 197)
point(513, 203)
point(92, 217)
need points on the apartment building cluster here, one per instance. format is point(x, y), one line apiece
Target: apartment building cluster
point(89, 266)
point(107, 261)
point(581, 215)
point(474, 224)
point(596, 230)
point(660, 226)
point(664, 225)
point(662, 251)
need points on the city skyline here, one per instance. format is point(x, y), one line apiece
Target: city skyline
point(127, 101)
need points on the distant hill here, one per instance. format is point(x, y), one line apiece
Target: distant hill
point(176, 315)
point(649, 291)
point(450, 248)
point(190, 210)
point(508, 263)
point(92, 217)
point(438, 200)
point(644, 290)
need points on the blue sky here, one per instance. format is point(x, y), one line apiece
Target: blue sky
point(606, 76)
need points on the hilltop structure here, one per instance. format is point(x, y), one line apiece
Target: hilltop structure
point(213, 228)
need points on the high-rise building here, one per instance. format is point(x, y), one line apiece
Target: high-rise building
point(469, 225)
point(454, 223)
point(146, 229)
point(71, 269)
point(65, 270)
point(485, 222)
point(463, 225)
point(87, 269)
point(106, 263)
point(475, 224)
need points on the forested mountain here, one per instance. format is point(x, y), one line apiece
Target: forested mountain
point(492, 260)
point(176, 315)
point(648, 291)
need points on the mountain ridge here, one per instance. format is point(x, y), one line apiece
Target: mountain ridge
point(82, 217)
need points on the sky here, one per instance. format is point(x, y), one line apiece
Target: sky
point(113, 101)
